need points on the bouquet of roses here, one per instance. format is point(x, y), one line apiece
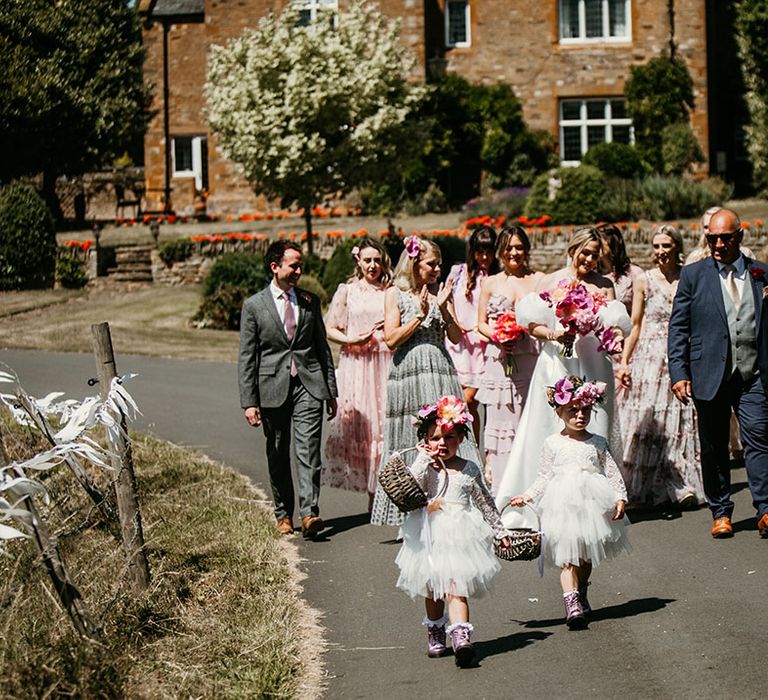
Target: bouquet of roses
point(577, 310)
point(505, 330)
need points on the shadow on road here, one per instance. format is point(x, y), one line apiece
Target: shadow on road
point(745, 525)
point(631, 608)
point(502, 645)
point(335, 526)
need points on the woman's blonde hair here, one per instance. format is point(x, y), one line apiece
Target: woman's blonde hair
point(677, 239)
point(386, 263)
point(405, 272)
point(580, 239)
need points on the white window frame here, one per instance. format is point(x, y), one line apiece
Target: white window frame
point(584, 121)
point(605, 38)
point(197, 159)
point(314, 6)
point(467, 16)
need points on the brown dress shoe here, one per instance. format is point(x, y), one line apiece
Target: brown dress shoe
point(722, 527)
point(311, 525)
point(285, 526)
point(762, 526)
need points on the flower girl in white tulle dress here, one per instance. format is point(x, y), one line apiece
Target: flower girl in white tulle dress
point(447, 553)
point(580, 495)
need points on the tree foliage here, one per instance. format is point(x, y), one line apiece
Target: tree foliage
point(658, 93)
point(752, 37)
point(73, 91)
point(311, 110)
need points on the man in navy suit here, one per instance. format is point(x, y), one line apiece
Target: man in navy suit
point(718, 357)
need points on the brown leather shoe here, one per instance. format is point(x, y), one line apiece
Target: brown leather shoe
point(285, 526)
point(762, 526)
point(722, 527)
point(311, 525)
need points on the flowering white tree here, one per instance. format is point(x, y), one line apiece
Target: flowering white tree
point(312, 110)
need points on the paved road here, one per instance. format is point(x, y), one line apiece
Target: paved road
point(683, 616)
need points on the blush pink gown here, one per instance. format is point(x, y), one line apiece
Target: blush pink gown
point(353, 450)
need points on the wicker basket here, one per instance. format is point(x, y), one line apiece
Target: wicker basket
point(525, 543)
point(400, 485)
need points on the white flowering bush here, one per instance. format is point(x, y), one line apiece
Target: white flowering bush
point(309, 110)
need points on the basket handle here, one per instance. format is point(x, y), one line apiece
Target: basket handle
point(528, 505)
point(444, 486)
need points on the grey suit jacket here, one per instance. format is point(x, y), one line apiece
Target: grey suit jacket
point(264, 368)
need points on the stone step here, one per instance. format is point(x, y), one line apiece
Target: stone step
point(120, 276)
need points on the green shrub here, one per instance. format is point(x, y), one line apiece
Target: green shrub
point(312, 284)
point(620, 200)
point(313, 265)
point(27, 239)
point(568, 195)
point(658, 93)
point(509, 202)
point(175, 251)
point(341, 266)
point(70, 270)
point(244, 270)
point(615, 160)
point(720, 189)
point(660, 198)
point(221, 308)
point(679, 148)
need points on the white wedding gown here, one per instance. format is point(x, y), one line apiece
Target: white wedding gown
point(539, 419)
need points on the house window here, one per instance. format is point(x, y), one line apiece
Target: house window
point(308, 9)
point(585, 123)
point(594, 20)
point(190, 158)
point(457, 23)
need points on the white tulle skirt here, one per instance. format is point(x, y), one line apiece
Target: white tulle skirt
point(576, 510)
point(451, 554)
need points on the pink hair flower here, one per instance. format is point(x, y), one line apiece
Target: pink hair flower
point(563, 391)
point(413, 246)
point(355, 252)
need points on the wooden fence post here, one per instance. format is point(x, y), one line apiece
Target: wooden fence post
point(125, 480)
point(69, 595)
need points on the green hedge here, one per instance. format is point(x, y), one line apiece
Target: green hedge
point(577, 198)
point(27, 239)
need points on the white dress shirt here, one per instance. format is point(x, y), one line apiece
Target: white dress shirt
point(277, 295)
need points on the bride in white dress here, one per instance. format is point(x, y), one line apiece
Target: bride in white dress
point(538, 420)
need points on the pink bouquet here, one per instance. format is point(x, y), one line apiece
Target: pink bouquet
point(506, 329)
point(577, 310)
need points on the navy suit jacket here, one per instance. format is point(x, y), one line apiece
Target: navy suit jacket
point(699, 347)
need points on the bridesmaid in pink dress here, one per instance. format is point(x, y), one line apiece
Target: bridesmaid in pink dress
point(504, 396)
point(355, 320)
point(468, 354)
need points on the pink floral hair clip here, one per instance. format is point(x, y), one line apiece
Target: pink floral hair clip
point(577, 390)
point(413, 246)
point(355, 252)
point(448, 412)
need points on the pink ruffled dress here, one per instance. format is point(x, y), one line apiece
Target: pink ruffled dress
point(468, 354)
point(354, 447)
point(504, 397)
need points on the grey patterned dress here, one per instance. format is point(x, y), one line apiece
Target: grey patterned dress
point(421, 373)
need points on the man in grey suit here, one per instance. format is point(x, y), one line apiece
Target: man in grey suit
point(285, 375)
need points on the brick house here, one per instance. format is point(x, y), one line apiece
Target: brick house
point(567, 61)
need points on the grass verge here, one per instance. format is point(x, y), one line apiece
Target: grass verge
point(145, 320)
point(222, 618)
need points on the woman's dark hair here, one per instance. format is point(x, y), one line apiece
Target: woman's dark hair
point(482, 238)
point(276, 251)
point(613, 238)
point(423, 427)
point(505, 236)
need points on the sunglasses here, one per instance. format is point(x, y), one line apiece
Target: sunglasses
point(726, 238)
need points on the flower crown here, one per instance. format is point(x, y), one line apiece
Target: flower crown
point(413, 246)
point(448, 412)
point(577, 390)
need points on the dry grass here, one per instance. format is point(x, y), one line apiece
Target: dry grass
point(223, 616)
point(144, 320)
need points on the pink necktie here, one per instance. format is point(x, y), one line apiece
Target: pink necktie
point(289, 317)
point(289, 321)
